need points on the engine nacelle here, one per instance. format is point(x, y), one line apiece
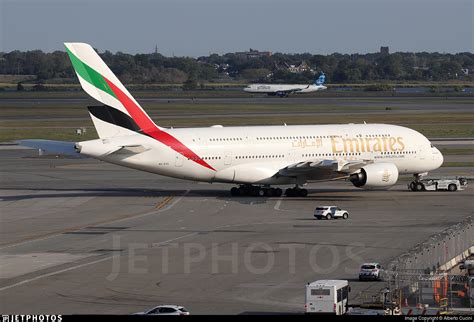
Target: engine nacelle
point(375, 175)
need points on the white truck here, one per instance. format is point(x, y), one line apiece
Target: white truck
point(327, 297)
point(435, 184)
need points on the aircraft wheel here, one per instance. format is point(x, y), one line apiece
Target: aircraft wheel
point(452, 187)
point(269, 192)
point(234, 191)
point(303, 192)
point(290, 192)
point(260, 192)
point(278, 192)
point(419, 186)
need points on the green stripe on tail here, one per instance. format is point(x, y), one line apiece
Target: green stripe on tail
point(89, 74)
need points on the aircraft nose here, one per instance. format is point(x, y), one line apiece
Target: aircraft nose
point(438, 157)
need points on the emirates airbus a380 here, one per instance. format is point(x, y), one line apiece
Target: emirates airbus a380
point(254, 158)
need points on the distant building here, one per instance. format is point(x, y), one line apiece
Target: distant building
point(384, 50)
point(421, 68)
point(303, 67)
point(253, 53)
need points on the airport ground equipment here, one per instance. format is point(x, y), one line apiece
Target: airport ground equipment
point(327, 297)
point(435, 184)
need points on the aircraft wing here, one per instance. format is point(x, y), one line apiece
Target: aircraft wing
point(50, 146)
point(322, 169)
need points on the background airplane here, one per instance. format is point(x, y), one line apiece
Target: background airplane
point(283, 90)
point(252, 157)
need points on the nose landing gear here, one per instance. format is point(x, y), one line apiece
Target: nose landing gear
point(417, 185)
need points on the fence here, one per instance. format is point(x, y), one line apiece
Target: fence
point(423, 276)
point(441, 252)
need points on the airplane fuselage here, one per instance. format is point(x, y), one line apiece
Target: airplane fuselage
point(283, 88)
point(254, 155)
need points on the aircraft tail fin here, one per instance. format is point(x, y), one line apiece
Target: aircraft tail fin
point(321, 79)
point(99, 82)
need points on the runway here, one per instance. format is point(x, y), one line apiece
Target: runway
point(209, 108)
point(356, 100)
point(82, 236)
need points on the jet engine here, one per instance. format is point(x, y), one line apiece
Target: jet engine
point(375, 175)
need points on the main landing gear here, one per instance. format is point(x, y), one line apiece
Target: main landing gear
point(248, 190)
point(296, 192)
point(254, 191)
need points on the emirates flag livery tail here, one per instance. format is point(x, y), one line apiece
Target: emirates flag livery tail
point(121, 114)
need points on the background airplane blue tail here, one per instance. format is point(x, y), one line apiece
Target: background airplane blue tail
point(320, 80)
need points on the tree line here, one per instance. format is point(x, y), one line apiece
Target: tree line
point(155, 68)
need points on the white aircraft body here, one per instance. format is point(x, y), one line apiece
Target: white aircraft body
point(283, 90)
point(252, 157)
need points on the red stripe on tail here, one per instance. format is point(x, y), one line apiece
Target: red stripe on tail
point(149, 128)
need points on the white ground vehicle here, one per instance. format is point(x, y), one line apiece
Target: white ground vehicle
point(330, 212)
point(327, 297)
point(165, 310)
point(370, 271)
point(468, 265)
point(434, 184)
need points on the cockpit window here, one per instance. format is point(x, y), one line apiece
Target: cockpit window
point(432, 145)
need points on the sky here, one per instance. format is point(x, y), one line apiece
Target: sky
point(200, 27)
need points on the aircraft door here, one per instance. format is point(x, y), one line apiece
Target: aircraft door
point(292, 155)
point(179, 159)
point(228, 158)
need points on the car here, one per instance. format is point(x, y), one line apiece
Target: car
point(330, 212)
point(165, 310)
point(370, 271)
